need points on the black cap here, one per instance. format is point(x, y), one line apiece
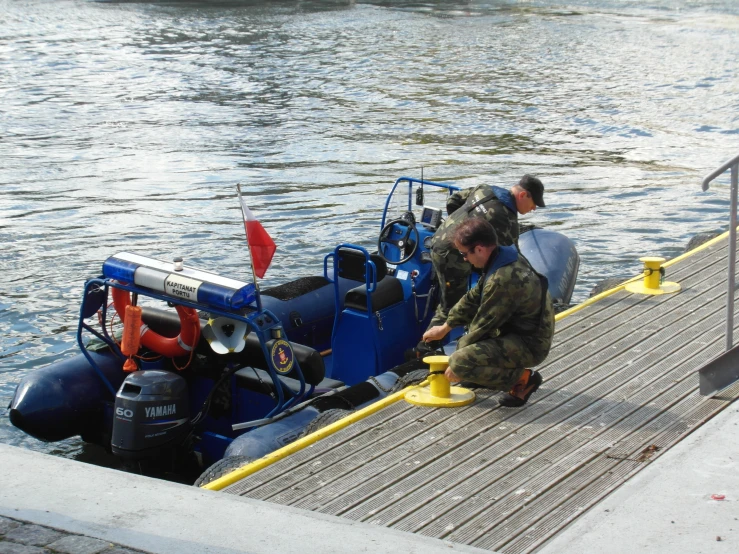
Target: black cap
point(535, 188)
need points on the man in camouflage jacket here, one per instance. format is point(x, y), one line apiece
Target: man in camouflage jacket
point(500, 207)
point(508, 314)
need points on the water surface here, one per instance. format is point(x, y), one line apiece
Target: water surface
point(125, 126)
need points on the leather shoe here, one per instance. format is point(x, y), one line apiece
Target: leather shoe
point(512, 400)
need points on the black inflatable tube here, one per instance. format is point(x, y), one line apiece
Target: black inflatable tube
point(310, 361)
point(65, 399)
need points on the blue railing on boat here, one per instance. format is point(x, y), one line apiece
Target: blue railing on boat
point(411, 181)
point(263, 323)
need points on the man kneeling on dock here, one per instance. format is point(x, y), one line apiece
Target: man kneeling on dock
point(509, 315)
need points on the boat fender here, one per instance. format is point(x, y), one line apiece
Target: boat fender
point(323, 411)
point(170, 347)
point(221, 468)
point(324, 419)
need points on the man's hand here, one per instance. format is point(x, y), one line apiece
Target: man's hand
point(436, 333)
point(451, 376)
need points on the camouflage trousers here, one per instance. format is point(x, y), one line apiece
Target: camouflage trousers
point(494, 363)
point(453, 273)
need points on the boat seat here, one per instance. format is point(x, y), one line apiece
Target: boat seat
point(352, 265)
point(246, 378)
point(389, 291)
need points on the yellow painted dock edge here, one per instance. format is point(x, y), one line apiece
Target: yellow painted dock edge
point(285, 451)
point(299, 444)
point(609, 292)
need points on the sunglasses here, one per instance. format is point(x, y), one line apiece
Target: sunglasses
point(470, 251)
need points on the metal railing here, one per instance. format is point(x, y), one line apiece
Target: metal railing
point(734, 165)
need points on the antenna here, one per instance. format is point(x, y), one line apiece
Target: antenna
point(419, 191)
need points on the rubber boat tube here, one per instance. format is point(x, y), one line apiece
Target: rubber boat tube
point(66, 398)
point(268, 438)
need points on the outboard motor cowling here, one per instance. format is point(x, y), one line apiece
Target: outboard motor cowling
point(152, 413)
point(554, 255)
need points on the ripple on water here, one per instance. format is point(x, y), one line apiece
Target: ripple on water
point(127, 126)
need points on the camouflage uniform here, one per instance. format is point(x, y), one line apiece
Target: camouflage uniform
point(510, 325)
point(452, 270)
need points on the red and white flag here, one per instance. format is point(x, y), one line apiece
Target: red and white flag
point(261, 245)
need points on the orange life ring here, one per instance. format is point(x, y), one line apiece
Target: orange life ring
point(180, 345)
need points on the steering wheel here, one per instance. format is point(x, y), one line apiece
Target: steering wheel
point(400, 243)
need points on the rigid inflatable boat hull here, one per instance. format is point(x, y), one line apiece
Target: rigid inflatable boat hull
point(65, 399)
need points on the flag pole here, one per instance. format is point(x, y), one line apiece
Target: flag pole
point(251, 256)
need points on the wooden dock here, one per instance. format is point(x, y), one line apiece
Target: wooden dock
point(620, 388)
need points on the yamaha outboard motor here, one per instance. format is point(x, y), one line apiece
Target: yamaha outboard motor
point(555, 256)
point(152, 414)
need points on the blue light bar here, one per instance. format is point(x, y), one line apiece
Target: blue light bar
point(195, 285)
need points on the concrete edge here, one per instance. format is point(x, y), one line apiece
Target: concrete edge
point(162, 517)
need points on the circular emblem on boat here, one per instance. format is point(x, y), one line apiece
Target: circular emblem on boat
point(282, 356)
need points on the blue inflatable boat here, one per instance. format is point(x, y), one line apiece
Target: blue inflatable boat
point(229, 370)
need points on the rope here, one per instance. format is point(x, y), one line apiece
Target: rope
point(648, 271)
point(412, 378)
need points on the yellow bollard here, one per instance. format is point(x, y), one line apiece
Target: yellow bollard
point(651, 271)
point(439, 393)
point(438, 384)
point(652, 274)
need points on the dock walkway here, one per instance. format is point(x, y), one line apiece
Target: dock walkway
point(620, 389)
